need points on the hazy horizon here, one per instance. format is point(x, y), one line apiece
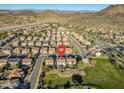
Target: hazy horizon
point(61, 7)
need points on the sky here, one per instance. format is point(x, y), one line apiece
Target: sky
point(75, 7)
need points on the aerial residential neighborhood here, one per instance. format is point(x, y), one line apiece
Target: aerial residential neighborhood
point(62, 50)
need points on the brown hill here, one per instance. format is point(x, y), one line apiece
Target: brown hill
point(23, 17)
point(112, 15)
point(49, 13)
point(113, 10)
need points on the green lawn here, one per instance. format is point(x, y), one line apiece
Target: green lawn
point(55, 80)
point(104, 75)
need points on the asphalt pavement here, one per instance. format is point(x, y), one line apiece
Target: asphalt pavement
point(35, 73)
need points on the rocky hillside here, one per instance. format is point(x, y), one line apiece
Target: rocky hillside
point(9, 18)
point(112, 15)
point(113, 10)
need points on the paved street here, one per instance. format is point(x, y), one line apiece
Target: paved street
point(78, 46)
point(104, 45)
point(35, 73)
point(19, 26)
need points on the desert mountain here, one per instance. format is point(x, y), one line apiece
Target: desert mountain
point(113, 15)
point(17, 17)
point(113, 10)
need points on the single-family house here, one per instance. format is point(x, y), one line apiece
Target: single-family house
point(3, 61)
point(68, 50)
point(38, 43)
point(71, 61)
point(16, 73)
point(25, 51)
point(13, 61)
point(45, 51)
point(15, 43)
point(26, 62)
point(49, 62)
point(61, 62)
point(35, 50)
point(31, 43)
point(51, 50)
point(24, 44)
point(7, 51)
point(16, 51)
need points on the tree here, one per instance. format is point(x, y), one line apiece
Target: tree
point(42, 74)
point(121, 67)
point(56, 87)
point(78, 58)
point(67, 85)
point(19, 64)
point(6, 66)
point(49, 85)
point(76, 78)
point(1, 70)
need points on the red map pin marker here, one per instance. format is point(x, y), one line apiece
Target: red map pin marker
point(61, 50)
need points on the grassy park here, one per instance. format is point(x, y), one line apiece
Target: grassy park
point(55, 81)
point(103, 75)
